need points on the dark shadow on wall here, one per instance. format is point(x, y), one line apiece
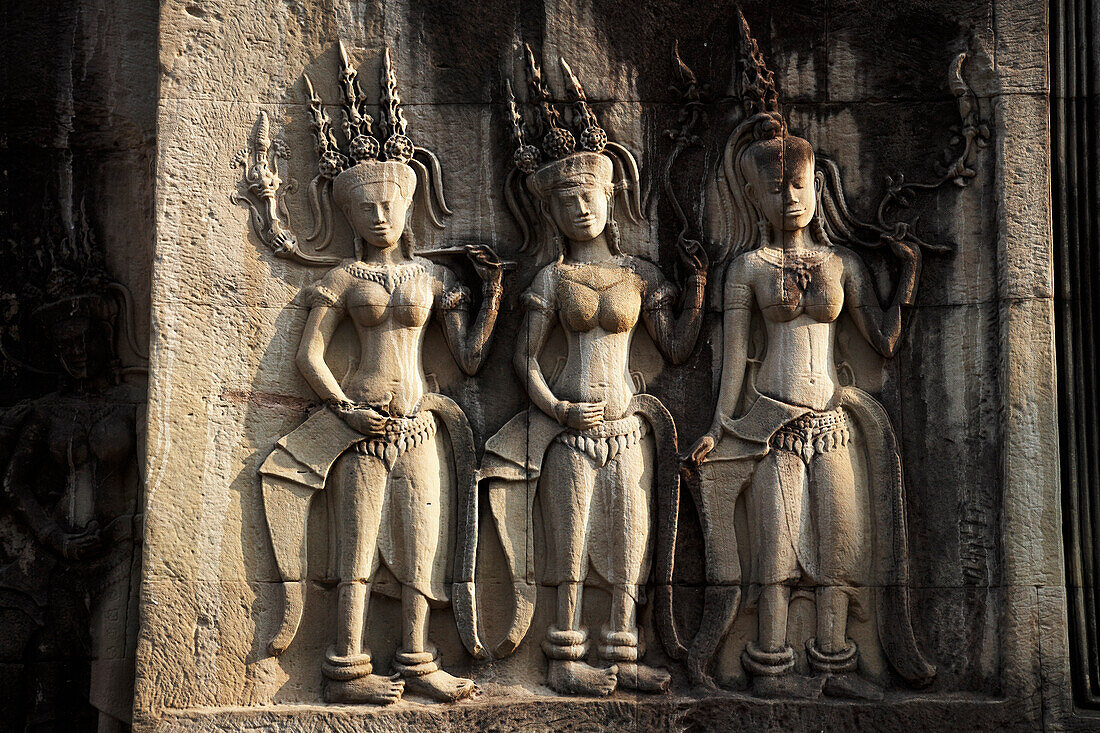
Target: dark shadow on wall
point(77, 150)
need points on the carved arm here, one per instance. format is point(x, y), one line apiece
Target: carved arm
point(881, 326)
point(533, 335)
point(320, 325)
point(24, 470)
point(675, 335)
point(470, 343)
point(737, 302)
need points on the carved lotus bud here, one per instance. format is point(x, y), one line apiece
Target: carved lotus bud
point(526, 158)
point(399, 148)
point(364, 147)
point(331, 164)
point(593, 139)
point(558, 143)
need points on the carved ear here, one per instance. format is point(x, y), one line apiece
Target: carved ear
point(750, 192)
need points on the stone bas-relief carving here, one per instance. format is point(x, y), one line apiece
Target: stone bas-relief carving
point(597, 456)
point(583, 485)
point(789, 430)
point(71, 479)
point(396, 459)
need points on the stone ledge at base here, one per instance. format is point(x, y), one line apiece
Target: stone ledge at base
point(722, 712)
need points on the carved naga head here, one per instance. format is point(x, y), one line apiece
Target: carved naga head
point(556, 189)
point(372, 184)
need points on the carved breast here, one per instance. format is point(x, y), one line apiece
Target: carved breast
point(597, 295)
point(789, 286)
point(405, 296)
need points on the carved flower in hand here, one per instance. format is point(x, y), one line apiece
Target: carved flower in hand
point(331, 164)
point(399, 148)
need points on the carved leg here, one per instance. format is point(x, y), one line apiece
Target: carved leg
point(418, 662)
point(832, 655)
point(565, 497)
point(347, 668)
point(625, 497)
point(619, 645)
point(775, 511)
point(566, 646)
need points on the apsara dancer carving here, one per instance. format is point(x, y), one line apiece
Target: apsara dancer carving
point(787, 431)
point(583, 452)
point(378, 438)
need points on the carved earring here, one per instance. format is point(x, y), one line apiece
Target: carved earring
point(614, 241)
point(358, 247)
point(818, 229)
point(764, 230)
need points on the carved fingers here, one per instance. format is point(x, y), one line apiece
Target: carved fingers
point(485, 261)
point(363, 418)
point(701, 449)
point(77, 545)
point(580, 415)
point(693, 255)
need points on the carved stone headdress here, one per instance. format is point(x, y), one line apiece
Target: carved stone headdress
point(562, 156)
point(363, 160)
point(735, 226)
point(57, 281)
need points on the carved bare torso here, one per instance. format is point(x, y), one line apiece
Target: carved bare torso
point(800, 297)
point(599, 307)
point(390, 309)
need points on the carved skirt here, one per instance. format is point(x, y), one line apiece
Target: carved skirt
point(393, 503)
point(595, 495)
point(805, 524)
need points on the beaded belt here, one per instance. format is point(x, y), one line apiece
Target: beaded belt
point(607, 440)
point(814, 432)
point(400, 434)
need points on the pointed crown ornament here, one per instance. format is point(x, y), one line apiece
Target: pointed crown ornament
point(764, 129)
point(364, 160)
point(561, 156)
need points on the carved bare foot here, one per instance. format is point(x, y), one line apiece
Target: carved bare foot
point(787, 686)
point(851, 687)
point(372, 688)
point(443, 686)
point(642, 678)
point(577, 678)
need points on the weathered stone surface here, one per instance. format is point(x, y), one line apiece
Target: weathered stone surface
point(142, 125)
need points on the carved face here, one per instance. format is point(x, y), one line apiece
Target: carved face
point(580, 210)
point(780, 181)
point(377, 212)
point(82, 346)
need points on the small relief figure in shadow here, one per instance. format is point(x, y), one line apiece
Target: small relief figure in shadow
point(71, 478)
point(787, 430)
point(592, 452)
point(385, 443)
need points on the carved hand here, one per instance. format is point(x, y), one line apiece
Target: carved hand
point(579, 415)
point(693, 256)
point(910, 256)
point(363, 418)
point(703, 447)
point(486, 263)
point(76, 545)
